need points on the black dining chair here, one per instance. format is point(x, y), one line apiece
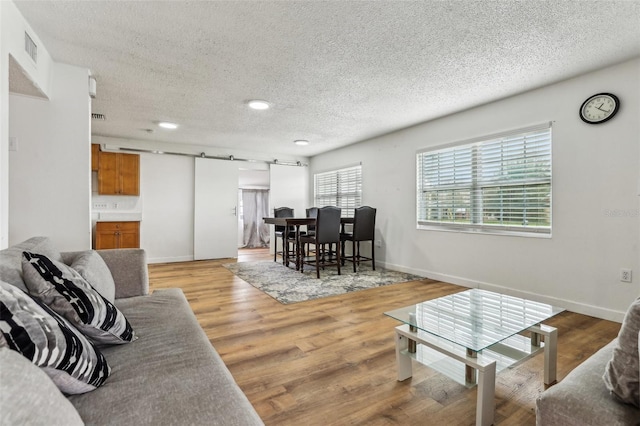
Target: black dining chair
point(364, 225)
point(287, 235)
point(327, 232)
point(311, 229)
point(312, 212)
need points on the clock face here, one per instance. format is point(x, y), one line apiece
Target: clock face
point(599, 108)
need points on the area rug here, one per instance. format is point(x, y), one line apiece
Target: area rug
point(287, 285)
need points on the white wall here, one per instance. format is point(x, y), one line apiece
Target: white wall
point(50, 173)
point(289, 188)
point(12, 28)
point(595, 172)
point(167, 194)
point(4, 131)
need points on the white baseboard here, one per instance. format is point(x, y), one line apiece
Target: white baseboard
point(170, 259)
point(570, 305)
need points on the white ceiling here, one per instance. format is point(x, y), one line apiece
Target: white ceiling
point(336, 72)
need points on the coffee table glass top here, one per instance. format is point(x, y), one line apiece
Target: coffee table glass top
point(475, 319)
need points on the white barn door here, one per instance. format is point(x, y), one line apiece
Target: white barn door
point(215, 222)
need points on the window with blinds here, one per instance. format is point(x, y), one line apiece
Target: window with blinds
point(499, 183)
point(341, 188)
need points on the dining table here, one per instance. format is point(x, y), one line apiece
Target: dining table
point(297, 222)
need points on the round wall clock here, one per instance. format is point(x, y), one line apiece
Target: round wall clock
point(599, 108)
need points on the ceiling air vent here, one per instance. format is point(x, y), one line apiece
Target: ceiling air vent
point(30, 47)
point(101, 117)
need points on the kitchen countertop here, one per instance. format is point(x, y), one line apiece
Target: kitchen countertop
point(119, 217)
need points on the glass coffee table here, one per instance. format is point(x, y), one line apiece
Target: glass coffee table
point(471, 335)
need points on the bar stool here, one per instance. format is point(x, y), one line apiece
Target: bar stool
point(287, 235)
point(364, 225)
point(311, 229)
point(327, 232)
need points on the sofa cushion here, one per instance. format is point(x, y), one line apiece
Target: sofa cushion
point(170, 375)
point(29, 397)
point(66, 292)
point(90, 265)
point(50, 342)
point(11, 259)
point(621, 374)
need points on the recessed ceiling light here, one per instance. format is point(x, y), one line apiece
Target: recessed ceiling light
point(258, 104)
point(301, 142)
point(167, 125)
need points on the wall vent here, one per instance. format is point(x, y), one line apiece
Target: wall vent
point(95, 116)
point(30, 47)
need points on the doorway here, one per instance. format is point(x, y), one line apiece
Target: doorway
point(253, 205)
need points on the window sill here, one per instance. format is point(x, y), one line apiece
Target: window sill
point(484, 231)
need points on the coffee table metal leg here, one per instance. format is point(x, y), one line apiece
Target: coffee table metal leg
point(469, 371)
point(535, 339)
point(402, 359)
point(413, 345)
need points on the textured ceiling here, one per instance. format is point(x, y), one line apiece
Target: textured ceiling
point(336, 72)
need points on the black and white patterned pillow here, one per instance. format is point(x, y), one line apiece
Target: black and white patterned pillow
point(66, 292)
point(50, 342)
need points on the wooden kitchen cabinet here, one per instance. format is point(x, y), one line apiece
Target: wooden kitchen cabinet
point(95, 153)
point(118, 174)
point(115, 235)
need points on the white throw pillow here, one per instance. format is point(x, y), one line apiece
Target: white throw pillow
point(622, 373)
point(90, 265)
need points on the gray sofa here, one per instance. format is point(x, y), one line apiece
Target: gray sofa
point(170, 375)
point(582, 397)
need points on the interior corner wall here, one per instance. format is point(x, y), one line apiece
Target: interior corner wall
point(50, 173)
point(12, 29)
point(596, 225)
point(4, 135)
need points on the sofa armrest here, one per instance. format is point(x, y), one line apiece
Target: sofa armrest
point(129, 270)
point(582, 398)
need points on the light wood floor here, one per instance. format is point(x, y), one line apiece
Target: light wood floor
point(332, 361)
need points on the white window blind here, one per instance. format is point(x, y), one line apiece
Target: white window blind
point(499, 183)
point(341, 188)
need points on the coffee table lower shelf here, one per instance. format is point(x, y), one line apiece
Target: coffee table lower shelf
point(471, 368)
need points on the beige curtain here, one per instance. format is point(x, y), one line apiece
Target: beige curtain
point(255, 206)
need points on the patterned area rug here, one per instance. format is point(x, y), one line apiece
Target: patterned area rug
point(287, 285)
